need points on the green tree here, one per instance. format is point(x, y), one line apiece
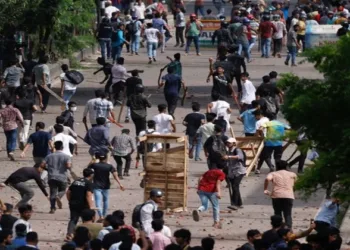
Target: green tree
point(321, 106)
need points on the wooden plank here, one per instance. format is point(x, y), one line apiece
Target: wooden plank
point(142, 173)
point(252, 164)
point(170, 166)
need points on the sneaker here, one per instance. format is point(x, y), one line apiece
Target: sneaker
point(52, 211)
point(186, 54)
point(59, 203)
point(11, 156)
point(257, 171)
point(176, 45)
point(136, 53)
point(127, 120)
point(195, 215)
point(198, 159)
point(286, 63)
point(150, 62)
point(198, 54)
point(232, 207)
point(154, 59)
point(182, 44)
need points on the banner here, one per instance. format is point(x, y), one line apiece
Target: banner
point(209, 26)
point(317, 35)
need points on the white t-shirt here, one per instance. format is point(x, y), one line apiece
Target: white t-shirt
point(220, 109)
point(67, 84)
point(157, 146)
point(260, 123)
point(166, 231)
point(248, 92)
point(109, 10)
point(65, 139)
point(163, 123)
point(280, 28)
point(116, 246)
point(139, 10)
point(151, 35)
point(21, 221)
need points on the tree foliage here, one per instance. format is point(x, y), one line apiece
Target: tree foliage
point(320, 106)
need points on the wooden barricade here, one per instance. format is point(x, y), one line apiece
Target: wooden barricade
point(167, 170)
point(252, 146)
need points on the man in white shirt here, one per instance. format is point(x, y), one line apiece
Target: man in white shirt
point(66, 140)
point(25, 212)
point(248, 91)
point(146, 215)
point(260, 121)
point(110, 9)
point(207, 130)
point(278, 36)
point(164, 121)
point(68, 89)
point(152, 37)
point(220, 108)
point(139, 10)
point(119, 76)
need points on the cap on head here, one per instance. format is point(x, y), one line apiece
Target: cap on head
point(156, 193)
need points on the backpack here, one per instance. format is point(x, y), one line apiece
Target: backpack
point(132, 28)
point(74, 77)
point(244, 161)
point(150, 146)
point(136, 214)
point(271, 107)
point(218, 147)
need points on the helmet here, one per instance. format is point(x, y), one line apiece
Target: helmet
point(193, 15)
point(155, 193)
point(139, 88)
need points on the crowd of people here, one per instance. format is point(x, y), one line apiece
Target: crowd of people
point(54, 147)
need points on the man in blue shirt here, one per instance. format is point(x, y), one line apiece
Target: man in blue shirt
point(98, 138)
point(172, 84)
point(325, 219)
point(42, 143)
point(248, 120)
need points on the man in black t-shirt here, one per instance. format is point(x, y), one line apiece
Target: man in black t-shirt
point(102, 171)
point(130, 85)
point(26, 107)
point(114, 236)
point(79, 196)
point(28, 65)
point(215, 149)
point(192, 122)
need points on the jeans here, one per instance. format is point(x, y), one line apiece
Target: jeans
point(152, 49)
point(135, 43)
point(45, 95)
point(220, 7)
point(265, 46)
point(172, 103)
point(195, 39)
point(205, 197)
point(283, 205)
point(67, 95)
point(251, 43)
point(57, 190)
point(26, 192)
point(292, 53)
point(277, 46)
point(236, 199)
point(75, 214)
point(101, 195)
point(198, 145)
point(179, 34)
point(116, 52)
point(267, 153)
point(200, 9)
point(105, 44)
point(11, 138)
point(140, 124)
point(245, 48)
point(118, 160)
point(23, 131)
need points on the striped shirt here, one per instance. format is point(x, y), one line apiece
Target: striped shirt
point(121, 144)
point(97, 107)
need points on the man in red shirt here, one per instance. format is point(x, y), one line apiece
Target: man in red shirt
point(266, 29)
point(209, 190)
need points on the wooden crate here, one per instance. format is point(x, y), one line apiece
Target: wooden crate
point(167, 170)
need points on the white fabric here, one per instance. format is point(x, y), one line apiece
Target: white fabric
point(220, 109)
point(146, 216)
point(116, 246)
point(163, 122)
point(166, 231)
point(280, 28)
point(67, 84)
point(20, 221)
point(157, 146)
point(151, 35)
point(260, 123)
point(24, 131)
point(65, 139)
point(139, 10)
point(109, 10)
point(248, 92)
point(103, 232)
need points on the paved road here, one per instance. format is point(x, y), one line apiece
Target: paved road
point(257, 207)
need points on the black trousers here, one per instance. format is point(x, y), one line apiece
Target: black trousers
point(238, 81)
point(75, 214)
point(301, 161)
point(45, 95)
point(267, 153)
point(118, 160)
point(322, 228)
point(283, 205)
point(140, 124)
point(172, 103)
point(179, 34)
point(277, 46)
point(236, 199)
point(301, 38)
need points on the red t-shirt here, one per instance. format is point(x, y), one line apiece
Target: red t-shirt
point(209, 179)
point(267, 29)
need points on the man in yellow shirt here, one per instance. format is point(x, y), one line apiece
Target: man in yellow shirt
point(302, 29)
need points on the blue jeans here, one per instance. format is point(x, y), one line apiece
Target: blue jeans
point(292, 53)
point(152, 49)
point(198, 145)
point(11, 140)
point(252, 43)
point(205, 198)
point(220, 7)
point(265, 46)
point(200, 9)
point(195, 39)
point(105, 44)
point(135, 43)
point(116, 52)
point(67, 95)
point(245, 49)
point(101, 195)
